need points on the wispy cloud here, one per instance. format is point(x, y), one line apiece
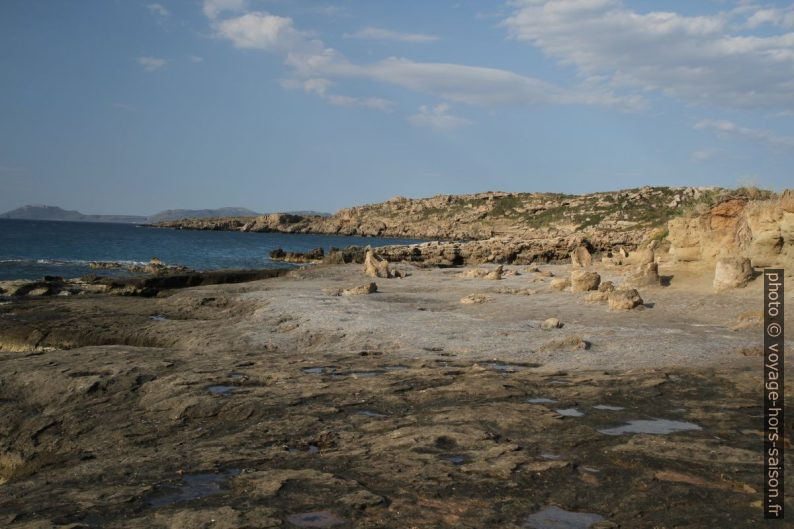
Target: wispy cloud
point(308, 57)
point(320, 88)
point(729, 129)
point(700, 59)
point(151, 64)
point(437, 117)
point(159, 10)
point(373, 33)
point(196, 59)
point(213, 8)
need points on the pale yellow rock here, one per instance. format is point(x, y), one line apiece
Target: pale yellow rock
point(583, 281)
point(624, 299)
point(732, 272)
point(581, 258)
point(375, 266)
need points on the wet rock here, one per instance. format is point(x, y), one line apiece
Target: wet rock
point(732, 272)
point(624, 299)
point(312, 256)
point(583, 281)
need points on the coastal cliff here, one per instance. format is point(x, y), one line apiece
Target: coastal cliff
point(625, 216)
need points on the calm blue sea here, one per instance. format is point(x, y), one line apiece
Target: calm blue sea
point(30, 249)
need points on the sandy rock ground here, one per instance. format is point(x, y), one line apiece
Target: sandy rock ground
point(277, 404)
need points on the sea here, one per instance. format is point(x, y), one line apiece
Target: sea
point(31, 249)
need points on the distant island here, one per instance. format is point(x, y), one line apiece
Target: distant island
point(44, 212)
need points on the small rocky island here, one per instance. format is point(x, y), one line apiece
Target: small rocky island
point(593, 359)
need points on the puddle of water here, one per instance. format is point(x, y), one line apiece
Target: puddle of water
point(540, 400)
point(315, 519)
point(455, 459)
point(570, 412)
point(651, 426)
point(551, 456)
point(311, 449)
point(235, 376)
point(192, 487)
point(365, 374)
point(591, 469)
point(556, 518)
point(314, 370)
point(505, 368)
point(222, 390)
point(157, 317)
point(607, 407)
point(394, 368)
point(556, 382)
point(370, 413)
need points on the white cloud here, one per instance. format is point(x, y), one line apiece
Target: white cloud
point(373, 33)
point(159, 10)
point(213, 8)
point(196, 59)
point(725, 128)
point(772, 16)
point(151, 64)
point(320, 88)
point(437, 117)
point(696, 58)
point(310, 58)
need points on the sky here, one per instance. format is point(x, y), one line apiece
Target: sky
point(132, 107)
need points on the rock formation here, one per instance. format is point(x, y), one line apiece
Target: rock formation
point(732, 272)
point(375, 266)
point(624, 299)
point(644, 275)
point(583, 281)
point(760, 229)
point(580, 257)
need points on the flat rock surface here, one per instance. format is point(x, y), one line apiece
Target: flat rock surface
point(275, 404)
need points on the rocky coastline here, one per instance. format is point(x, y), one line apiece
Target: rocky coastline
point(485, 382)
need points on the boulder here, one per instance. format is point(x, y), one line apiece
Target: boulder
point(606, 286)
point(495, 274)
point(551, 323)
point(732, 272)
point(375, 266)
point(581, 258)
point(596, 296)
point(369, 288)
point(644, 275)
point(624, 299)
point(560, 283)
point(583, 281)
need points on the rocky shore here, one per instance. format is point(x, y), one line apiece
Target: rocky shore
point(503, 382)
point(328, 396)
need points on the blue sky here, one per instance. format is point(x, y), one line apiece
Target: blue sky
point(137, 106)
